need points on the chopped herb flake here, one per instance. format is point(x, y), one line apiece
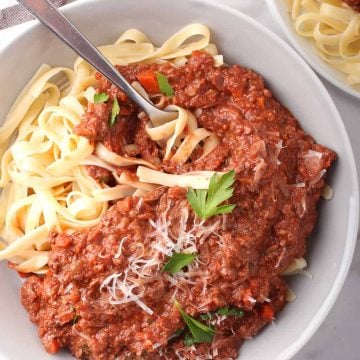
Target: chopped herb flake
point(230, 311)
point(189, 340)
point(206, 316)
point(200, 332)
point(164, 86)
point(205, 202)
point(178, 261)
point(101, 98)
point(115, 111)
point(76, 318)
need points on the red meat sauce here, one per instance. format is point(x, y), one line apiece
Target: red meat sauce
point(279, 180)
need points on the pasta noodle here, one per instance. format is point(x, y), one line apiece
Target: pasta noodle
point(335, 30)
point(45, 185)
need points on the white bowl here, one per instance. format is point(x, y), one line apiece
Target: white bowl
point(305, 48)
point(243, 41)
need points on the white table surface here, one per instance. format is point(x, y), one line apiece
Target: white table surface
point(338, 337)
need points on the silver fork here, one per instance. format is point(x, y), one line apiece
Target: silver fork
point(49, 15)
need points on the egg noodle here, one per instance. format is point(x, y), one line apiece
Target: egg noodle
point(44, 181)
point(335, 29)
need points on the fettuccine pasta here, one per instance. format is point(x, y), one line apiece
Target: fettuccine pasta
point(335, 30)
point(45, 185)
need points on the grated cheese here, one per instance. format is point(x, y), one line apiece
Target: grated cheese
point(121, 282)
point(312, 153)
point(218, 319)
point(258, 170)
point(317, 177)
point(118, 254)
point(278, 147)
point(68, 288)
point(129, 285)
point(139, 203)
point(280, 257)
point(299, 185)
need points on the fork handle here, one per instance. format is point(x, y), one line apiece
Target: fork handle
point(49, 15)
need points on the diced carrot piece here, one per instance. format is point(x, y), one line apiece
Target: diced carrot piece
point(261, 102)
point(148, 80)
point(52, 346)
point(267, 313)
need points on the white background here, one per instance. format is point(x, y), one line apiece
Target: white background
point(339, 336)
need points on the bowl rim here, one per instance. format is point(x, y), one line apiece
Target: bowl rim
point(352, 229)
point(293, 39)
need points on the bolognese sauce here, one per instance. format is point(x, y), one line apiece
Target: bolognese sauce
point(105, 296)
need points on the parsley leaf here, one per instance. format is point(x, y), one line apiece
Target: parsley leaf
point(176, 334)
point(76, 317)
point(200, 332)
point(189, 340)
point(206, 316)
point(230, 311)
point(205, 202)
point(100, 98)
point(115, 111)
point(164, 86)
point(177, 262)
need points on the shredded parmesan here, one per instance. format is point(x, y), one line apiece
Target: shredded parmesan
point(118, 254)
point(317, 177)
point(218, 319)
point(278, 147)
point(303, 205)
point(251, 299)
point(139, 204)
point(259, 170)
point(312, 153)
point(280, 257)
point(126, 285)
point(299, 185)
point(68, 288)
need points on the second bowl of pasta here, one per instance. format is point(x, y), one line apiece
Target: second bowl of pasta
point(326, 33)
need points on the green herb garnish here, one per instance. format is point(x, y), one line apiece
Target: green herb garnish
point(230, 311)
point(76, 318)
point(164, 86)
point(100, 98)
point(206, 316)
point(200, 332)
point(206, 203)
point(177, 262)
point(115, 111)
point(189, 340)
